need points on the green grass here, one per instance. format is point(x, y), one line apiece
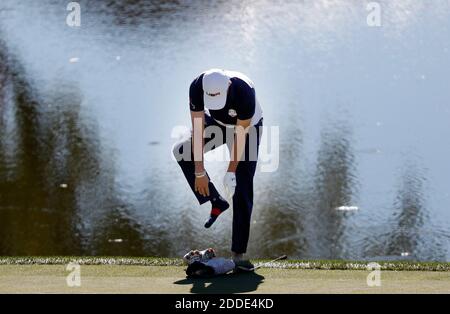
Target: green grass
point(287, 264)
point(172, 279)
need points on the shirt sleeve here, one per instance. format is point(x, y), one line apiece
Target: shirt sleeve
point(196, 95)
point(247, 105)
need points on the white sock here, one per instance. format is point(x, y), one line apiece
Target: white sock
point(237, 257)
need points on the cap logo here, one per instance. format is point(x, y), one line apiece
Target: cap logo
point(232, 113)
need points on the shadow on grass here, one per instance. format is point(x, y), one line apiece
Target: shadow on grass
point(232, 283)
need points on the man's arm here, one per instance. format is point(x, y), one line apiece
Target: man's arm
point(245, 113)
point(198, 143)
point(238, 146)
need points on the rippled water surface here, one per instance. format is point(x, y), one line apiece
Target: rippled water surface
point(88, 117)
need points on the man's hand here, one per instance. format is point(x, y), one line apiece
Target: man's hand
point(202, 185)
point(229, 182)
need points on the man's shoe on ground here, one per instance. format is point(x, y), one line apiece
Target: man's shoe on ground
point(246, 264)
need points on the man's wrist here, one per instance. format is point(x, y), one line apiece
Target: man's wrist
point(232, 169)
point(200, 174)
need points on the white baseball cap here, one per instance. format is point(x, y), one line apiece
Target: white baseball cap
point(215, 88)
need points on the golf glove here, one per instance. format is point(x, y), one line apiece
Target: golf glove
point(229, 183)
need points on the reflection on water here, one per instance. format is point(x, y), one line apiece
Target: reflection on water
point(32, 208)
point(281, 208)
point(405, 232)
point(86, 116)
point(334, 186)
point(411, 207)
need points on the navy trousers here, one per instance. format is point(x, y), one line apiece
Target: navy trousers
point(243, 196)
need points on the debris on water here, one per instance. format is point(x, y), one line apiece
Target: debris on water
point(347, 208)
point(63, 185)
point(115, 240)
point(118, 58)
point(369, 151)
point(405, 254)
point(74, 60)
point(152, 143)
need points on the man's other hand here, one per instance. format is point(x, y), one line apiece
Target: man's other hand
point(229, 182)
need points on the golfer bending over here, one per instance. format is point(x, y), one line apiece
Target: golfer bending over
point(234, 118)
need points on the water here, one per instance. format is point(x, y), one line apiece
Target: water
point(87, 114)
